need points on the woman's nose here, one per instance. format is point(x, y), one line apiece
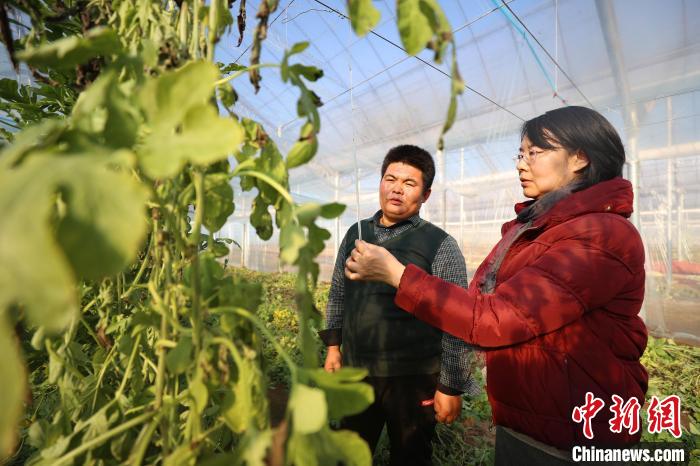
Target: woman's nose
point(521, 165)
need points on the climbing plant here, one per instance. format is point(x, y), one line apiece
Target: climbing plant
point(124, 339)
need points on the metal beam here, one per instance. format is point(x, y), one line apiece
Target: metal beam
point(608, 22)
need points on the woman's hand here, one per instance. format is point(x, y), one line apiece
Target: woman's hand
point(373, 263)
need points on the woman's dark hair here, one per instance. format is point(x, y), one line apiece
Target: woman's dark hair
point(415, 157)
point(580, 129)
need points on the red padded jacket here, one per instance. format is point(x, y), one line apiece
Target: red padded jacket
point(562, 321)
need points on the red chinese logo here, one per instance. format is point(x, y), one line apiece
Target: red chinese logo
point(661, 415)
point(665, 415)
point(587, 412)
point(624, 415)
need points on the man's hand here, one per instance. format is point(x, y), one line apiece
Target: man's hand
point(447, 407)
point(373, 263)
point(334, 359)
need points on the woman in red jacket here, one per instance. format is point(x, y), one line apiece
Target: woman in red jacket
point(555, 304)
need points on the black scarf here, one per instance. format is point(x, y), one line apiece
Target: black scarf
point(525, 219)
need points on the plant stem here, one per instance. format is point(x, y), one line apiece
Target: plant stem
point(67, 458)
point(152, 284)
point(160, 374)
point(194, 46)
point(108, 360)
point(196, 285)
point(238, 73)
point(262, 176)
point(143, 441)
point(196, 279)
point(264, 330)
point(129, 368)
point(142, 269)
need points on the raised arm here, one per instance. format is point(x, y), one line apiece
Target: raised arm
point(572, 276)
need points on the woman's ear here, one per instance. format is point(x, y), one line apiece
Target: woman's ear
point(579, 161)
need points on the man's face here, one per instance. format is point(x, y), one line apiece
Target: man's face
point(401, 192)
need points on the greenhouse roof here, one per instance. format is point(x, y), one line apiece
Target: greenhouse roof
point(637, 62)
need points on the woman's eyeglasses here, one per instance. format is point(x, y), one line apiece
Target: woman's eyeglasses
point(531, 156)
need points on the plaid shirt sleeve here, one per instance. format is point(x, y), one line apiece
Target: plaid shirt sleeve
point(458, 358)
point(332, 335)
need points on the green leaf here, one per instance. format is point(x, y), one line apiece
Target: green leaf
point(242, 401)
point(55, 449)
point(284, 215)
point(308, 212)
point(345, 393)
point(363, 16)
point(203, 138)
point(218, 248)
point(184, 455)
point(227, 95)
point(12, 389)
point(317, 236)
point(219, 18)
point(9, 90)
point(105, 221)
point(71, 51)
point(348, 448)
point(307, 106)
point(284, 66)
point(328, 447)
point(198, 393)
point(438, 20)
point(414, 26)
point(218, 201)
point(220, 459)
point(241, 293)
point(106, 113)
point(291, 240)
point(272, 164)
point(332, 210)
point(301, 152)
point(41, 135)
point(456, 89)
point(298, 48)
point(64, 218)
point(168, 98)
point(211, 275)
point(179, 358)
point(308, 407)
point(253, 449)
point(36, 434)
point(56, 364)
point(230, 68)
point(311, 73)
point(261, 219)
point(185, 127)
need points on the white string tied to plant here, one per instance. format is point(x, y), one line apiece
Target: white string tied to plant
point(354, 151)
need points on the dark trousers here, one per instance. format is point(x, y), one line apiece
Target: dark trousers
point(514, 449)
point(399, 403)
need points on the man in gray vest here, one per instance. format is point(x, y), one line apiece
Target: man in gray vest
point(417, 372)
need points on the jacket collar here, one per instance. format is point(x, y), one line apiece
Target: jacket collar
point(613, 196)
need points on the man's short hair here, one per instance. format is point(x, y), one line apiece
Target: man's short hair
point(415, 157)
